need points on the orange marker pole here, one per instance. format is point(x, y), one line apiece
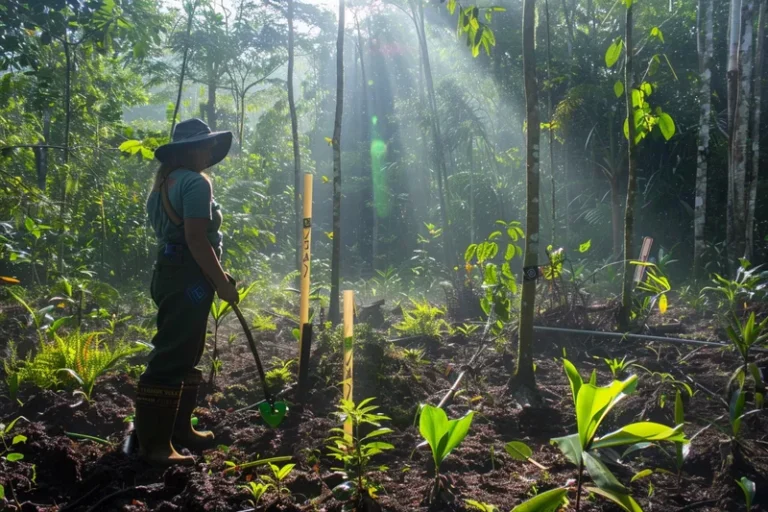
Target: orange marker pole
point(305, 341)
point(349, 359)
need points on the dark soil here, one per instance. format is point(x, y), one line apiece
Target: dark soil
point(59, 473)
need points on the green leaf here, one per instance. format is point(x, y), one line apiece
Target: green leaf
point(618, 88)
point(518, 450)
point(642, 474)
point(666, 125)
point(570, 446)
point(432, 425)
point(549, 501)
point(14, 457)
point(625, 501)
point(585, 246)
point(738, 399)
point(749, 489)
point(646, 88)
point(593, 403)
point(470, 253)
point(574, 378)
point(656, 32)
point(2, 492)
point(602, 476)
point(19, 439)
point(613, 52)
point(643, 431)
point(457, 431)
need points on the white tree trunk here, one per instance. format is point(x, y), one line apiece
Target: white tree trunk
point(755, 136)
point(740, 134)
point(705, 49)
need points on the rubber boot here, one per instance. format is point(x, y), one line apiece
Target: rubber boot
point(184, 433)
point(156, 408)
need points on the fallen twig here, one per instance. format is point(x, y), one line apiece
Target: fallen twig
point(137, 488)
point(697, 504)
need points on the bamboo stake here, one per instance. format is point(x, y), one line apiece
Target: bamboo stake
point(305, 342)
point(349, 358)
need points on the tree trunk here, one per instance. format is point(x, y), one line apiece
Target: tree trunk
point(471, 163)
point(417, 10)
point(370, 191)
point(524, 376)
point(616, 216)
point(551, 132)
point(755, 136)
point(334, 313)
point(737, 191)
point(295, 135)
point(190, 20)
point(732, 76)
point(705, 49)
point(211, 106)
point(629, 212)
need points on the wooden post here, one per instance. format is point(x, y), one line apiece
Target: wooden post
point(305, 342)
point(645, 251)
point(349, 358)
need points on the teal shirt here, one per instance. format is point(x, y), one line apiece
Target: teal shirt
point(191, 197)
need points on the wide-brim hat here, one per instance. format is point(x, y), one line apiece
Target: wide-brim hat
point(194, 133)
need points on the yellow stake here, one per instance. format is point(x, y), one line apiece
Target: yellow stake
point(305, 330)
point(305, 250)
point(349, 359)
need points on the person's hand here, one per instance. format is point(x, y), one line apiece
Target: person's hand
point(228, 292)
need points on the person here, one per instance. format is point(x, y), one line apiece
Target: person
point(186, 221)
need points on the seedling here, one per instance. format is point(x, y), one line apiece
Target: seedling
point(278, 475)
point(442, 435)
point(8, 452)
point(482, 507)
point(744, 336)
point(617, 366)
point(356, 451)
point(415, 356)
point(592, 405)
point(423, 319)
point(749, 489)
point(257, 490)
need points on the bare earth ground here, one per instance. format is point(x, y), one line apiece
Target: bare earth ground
point(80, 476)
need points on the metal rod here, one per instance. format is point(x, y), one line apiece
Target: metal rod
point(642, 337)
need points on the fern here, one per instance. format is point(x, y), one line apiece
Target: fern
point(84, 357)
point(423, 320)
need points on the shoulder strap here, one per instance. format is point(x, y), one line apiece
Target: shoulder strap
point(175, 219)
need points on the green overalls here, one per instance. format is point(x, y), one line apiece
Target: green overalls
point(181, 292)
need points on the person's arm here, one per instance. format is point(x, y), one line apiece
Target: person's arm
point(202, 251)
point(196, 199)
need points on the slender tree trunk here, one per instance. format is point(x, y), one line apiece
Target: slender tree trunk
point(524, 376)
point(732, 76)
point(551, 132)
point(241, 124)
point(739, 141)
point(616, 216)
point(629, 212)
point(705, 49)
point(190, 20)
point(471, 162)
point(368, 169)
point(334, 311)
point(417, 9)
point(211, 106)
point(755, 136)
point(295, 135)
point(67, 122)
point(566, 148)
